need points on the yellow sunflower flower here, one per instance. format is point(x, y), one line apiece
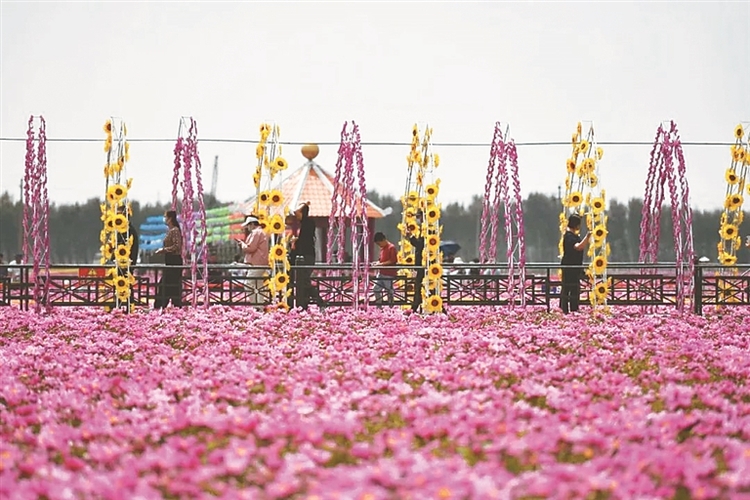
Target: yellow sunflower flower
point(276, 224)
point(727, 259)
point(728, 231)
point(120, 223)
point(599, 153)
point(279, 164)
point(739, 132)
point(574, 199)
point(412, 198)
point(570, 165)
point(281, 280)
point(108, 144)
point(276, 198)
point(738, 153)
point(107, 127)
point(731, 176)
point(597, 205)
point(433, 214)
point(109, 223)
point(733, 201)
point(434, 304)
point(436, 160)
point(599, 233)
point(278, 252)
point(116, 192)
point(122, 253)
point(583, 147)
point(599, 264)
point(435, 271)
point(588, 166)
point(264, 197)
point(601, 289)
point(432, 242)
point(432, 189)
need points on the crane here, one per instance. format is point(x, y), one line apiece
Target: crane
point(215, 176)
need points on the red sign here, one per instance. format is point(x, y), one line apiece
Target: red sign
point(92, 272)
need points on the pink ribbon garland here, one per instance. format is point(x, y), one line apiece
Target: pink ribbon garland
point(36, 211)
point(668, 148)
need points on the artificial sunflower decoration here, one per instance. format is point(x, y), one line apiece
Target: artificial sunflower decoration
point(116, 192)
point(599, 232)
point(434, 304)
point(599, 153)
point(432, 242)
point(435, 271)
point(122, 253)
point(279, 164)
point(108, 144)
point(727, 259)
point(433, 214)
point(127, 151)
point(738, 153)
point(413, 227)
point(106, 250)
point(570, 165)
point(109, 223)
point(733, 201)
point(278, 252)
point(583, 147)
point(107, 127)
point(120, 223)
point(276, 224)
point(436, 160)
point(592, 180)
point(412, 198)
point(588, 166)
point(599, 264)
point(432, 189)
point(264, 197)
point(597, 205)
point(281, 280)
point(574, 199)
point(276, 198)
point(739, 132)
point(601, 289)
point(731, 176)
point(728, 231)
point(260, 150)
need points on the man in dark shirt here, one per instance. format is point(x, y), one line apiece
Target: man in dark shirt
point(304, 252)
point(418, 243)
point(572, 262)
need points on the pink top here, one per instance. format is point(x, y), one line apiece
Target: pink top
point(256, 248)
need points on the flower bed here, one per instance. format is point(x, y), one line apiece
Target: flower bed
point(479, 403)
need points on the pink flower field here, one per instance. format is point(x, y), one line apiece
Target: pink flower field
point(478, 403)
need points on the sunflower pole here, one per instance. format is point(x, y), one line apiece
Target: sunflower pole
point(736, 177)
point(36, 210)
point(666, 151)
point(115, 238)
point(502, 174)
point(584, 196)
point(421, 196)
point(270, 208)
point(192, 207)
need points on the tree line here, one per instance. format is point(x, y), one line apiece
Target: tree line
point(74, 228)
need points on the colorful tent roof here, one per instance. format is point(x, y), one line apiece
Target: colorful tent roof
point(310, 183)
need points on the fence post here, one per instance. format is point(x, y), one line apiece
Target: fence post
point(698, 288)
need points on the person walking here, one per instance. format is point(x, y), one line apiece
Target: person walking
point(170, 285)
point(385, 277)
point(255, 250)
point(572, 262)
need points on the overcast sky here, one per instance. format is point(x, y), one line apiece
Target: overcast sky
point(309, 66)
